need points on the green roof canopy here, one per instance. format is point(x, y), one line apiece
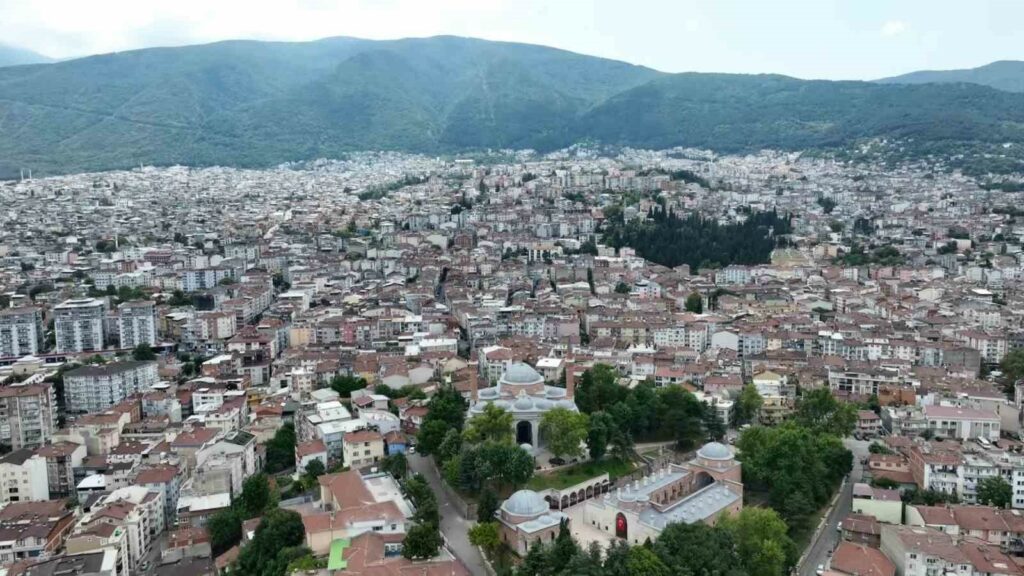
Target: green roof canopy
point(336, 561)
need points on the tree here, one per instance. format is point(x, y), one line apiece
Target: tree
point(694, 303)
point(884, 482)
point(487, 505)
point(1012, 365)
point(748, 405)
point(281, 450)
point(644, 561)
point(446, 410)
point(396, 464)
point(762, 541)
point(421, 541)
point(564, 431)
point(622, 288)
point(256, 497)
point(879, 448)
point(820, 411)
point(494, 424)
point(698, 549)
point(314, 469)
point(599, 433)
point(485, 535)
point(143, 353)
point(225, 529)
point(714, 427)
point(346, 385)
point(450, 446)
point(994, 491)
point(279, 529)
point(598, 389)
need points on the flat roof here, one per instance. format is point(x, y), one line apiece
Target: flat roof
point(336, 560)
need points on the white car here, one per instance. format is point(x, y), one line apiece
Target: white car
point(820, 570)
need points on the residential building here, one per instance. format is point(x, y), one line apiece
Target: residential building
point(21, 332)
point(28, 415)
point(78, 325)
point(23, 477)
point(96, 388)
point(136, 323)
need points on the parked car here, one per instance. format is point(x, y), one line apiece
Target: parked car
point(821, 570)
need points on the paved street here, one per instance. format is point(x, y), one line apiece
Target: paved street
point(822, 548)
point(454, 527)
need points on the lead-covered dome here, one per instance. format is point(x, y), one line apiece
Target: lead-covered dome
point(715, 451)
point(525, 503)
point(521, 373)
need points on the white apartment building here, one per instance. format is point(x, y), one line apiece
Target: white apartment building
point(21, 332)
point(78, 325)
point(136, 323)
point(23, 477)
point(28, 415)
point(96, 388)
point(962, 423)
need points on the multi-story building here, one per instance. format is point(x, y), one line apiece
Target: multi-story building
point(78, 325)
point(962, 423)
point(21, 332)
point(33, 530)
point(28, 415)
point(23, 477)
point(61, 460)
point(137, 323)
point(96, 388)
point(362, 448)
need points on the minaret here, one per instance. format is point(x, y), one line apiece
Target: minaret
point(570, 378)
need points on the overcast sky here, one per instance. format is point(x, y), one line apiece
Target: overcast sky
point(838, 39)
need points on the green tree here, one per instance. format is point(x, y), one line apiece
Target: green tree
point(446, 410)
point(748, 405)
point(279, 529)
point(884, 482)
point(820, 411)
point(599, 434)
point(698, 549)
point(256, 497)
point(994, 491)
point(487, 505)
point(485, 535)
point(598, 389)
point(622, 288)
point(396, 464)
point(714, 427)
point(281, 450)
point(879, 448)
point(225, 529)
point(422, 541)
point(1012, 365)
point(644, 561)
point(346, 385)
point(450, 446)
point(494, 424)
point(694, 303)
point(564, 431)
point(762, 541)
point(143, 353)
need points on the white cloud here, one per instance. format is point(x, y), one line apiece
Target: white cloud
point(893, 27)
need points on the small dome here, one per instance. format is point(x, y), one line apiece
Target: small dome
point(503, 404)
point(543, 404)
point(715, 451)
point(527, 447)
point(553, 392)
point(521, 373)
point(567, 404)
point(525, 503)
point(523, 403)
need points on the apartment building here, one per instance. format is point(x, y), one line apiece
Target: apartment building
point(33, 530)
point(28, 415)
point(23, 477)
point(78, 325)
point(96, 388)
point(136, 322)
point(962, 423)
point(362, 448)
point(21, 332)
point(61, 460)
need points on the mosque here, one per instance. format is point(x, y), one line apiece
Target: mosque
point(521, 391)
point(701, 490)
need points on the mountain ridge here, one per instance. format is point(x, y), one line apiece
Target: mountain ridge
point(253, 104)
point(1007, 75)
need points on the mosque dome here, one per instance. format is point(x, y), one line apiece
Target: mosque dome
point(521, 373)
point(715, 451)
point(525, 503)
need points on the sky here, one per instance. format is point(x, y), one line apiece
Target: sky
point(832, 39)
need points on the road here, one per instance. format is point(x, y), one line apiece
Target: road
point(454, 527)
point(821, 549)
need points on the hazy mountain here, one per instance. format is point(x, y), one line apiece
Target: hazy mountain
point(260, 103)
point(13, 56)
point(1003, 75)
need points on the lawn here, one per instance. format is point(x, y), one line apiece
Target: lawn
point(575, 474)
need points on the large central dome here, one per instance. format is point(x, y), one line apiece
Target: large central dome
point(521, 373)
point(525, 503)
